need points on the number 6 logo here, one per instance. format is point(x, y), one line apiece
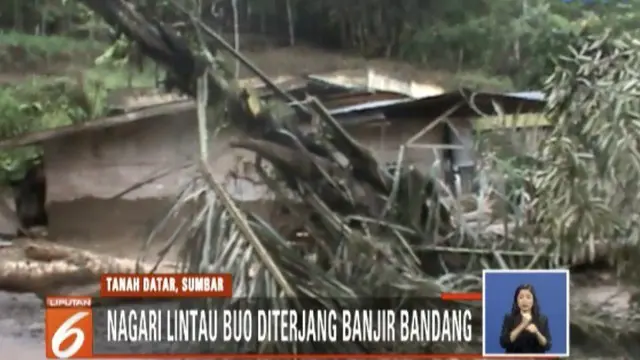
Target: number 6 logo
point(64, 332)
point(69, 333)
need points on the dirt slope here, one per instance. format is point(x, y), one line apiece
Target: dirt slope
point(16, 66)
point(307, 60)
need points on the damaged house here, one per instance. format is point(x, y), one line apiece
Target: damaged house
point(94, 170)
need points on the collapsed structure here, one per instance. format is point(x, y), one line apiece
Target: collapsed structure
point(115, 177)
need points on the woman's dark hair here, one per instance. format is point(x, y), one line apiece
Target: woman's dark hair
point(535, 309)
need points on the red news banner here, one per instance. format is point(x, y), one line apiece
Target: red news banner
point(69, 323)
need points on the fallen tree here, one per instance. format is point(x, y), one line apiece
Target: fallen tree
point(47, 269)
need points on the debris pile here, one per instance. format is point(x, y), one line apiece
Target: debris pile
point(351, 231)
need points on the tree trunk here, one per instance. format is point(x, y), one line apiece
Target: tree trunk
point(236, 34)
point(47, 269)
point(18, 15)
point(292, 39)
point(263, 22)
point(43, 19)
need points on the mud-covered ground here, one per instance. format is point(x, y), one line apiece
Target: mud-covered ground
point(22, 315)
point(21, 327)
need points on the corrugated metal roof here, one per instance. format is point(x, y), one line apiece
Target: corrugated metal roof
point(433, 106)
point(373, 105)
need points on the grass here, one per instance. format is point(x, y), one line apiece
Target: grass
point(52, 81)
point(43, 102)
point(26, 53)
point(62, 64)
point(58, 56)
point(50, 44)
point(111, 77)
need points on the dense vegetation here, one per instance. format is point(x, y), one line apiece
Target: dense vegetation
point(498, 39)
point(53, 81)
point(502, 37)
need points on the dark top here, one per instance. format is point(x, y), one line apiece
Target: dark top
point(526, 342)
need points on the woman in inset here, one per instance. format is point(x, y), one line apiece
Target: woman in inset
point(525, 330)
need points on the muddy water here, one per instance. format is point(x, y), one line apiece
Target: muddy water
point(21, 327)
